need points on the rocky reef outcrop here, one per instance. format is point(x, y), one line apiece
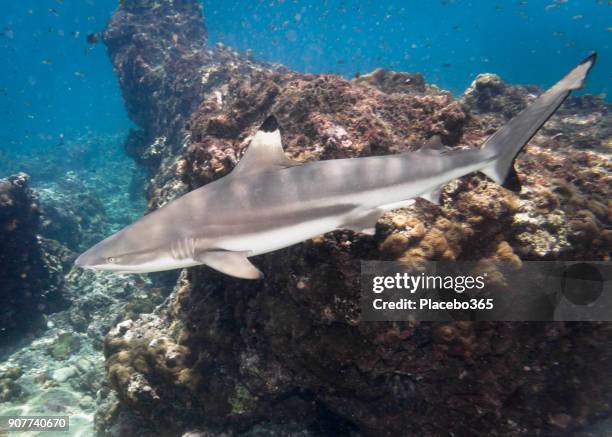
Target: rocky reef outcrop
point(71, 213)
point(165, 69)
point(31, 267)
point(224, 354)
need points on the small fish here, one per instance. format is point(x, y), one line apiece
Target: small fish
point(447, 65)
point(47, 61)
point(558, 33)
point(93, 38)
point(8, 32)
point(79, 74)
point(577, 17)
point(76, 33)
point(53, 11)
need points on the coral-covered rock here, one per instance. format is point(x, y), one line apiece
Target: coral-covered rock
point(321, 117)
point(222, 353)
point(157, 47)
point(393, 81)
point(30, 269)
point(71, 213)
point(490, 94)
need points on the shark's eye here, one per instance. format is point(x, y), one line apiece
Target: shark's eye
point(110, 260)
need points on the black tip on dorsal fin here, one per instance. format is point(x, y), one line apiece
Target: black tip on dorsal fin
point(512, 181)
point(270, 125)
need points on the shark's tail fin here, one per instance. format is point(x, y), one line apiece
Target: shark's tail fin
point(508, 141)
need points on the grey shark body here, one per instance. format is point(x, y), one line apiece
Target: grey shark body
point(269, 202)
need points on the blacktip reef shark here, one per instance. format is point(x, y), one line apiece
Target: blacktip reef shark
point(269, 202)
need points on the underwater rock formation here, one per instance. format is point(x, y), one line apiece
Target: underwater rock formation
point(158, 49)
point(61, 370)
point(31, 267)
point(224, 354)
point(71, 214)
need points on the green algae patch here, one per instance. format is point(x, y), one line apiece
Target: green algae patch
point(242, 401)
point(65, 345)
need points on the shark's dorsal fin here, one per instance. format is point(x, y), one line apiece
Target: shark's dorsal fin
point(265, 151)
point(433, 146)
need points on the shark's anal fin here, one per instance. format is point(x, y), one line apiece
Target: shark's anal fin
point(433, 196)
point(397, 205)
point(265, 150)
point(364, 221)
point(231, 263)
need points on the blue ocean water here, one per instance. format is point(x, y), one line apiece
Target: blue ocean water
point(55, 85)
point(449, 41)
point(64, 122)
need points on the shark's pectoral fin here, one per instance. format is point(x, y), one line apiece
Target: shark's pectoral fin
point(265, 150)
point(231, 263)
point(364, 221)
point(433, 196)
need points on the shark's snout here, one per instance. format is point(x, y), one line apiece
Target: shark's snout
point(79, 261)
point(87, 259)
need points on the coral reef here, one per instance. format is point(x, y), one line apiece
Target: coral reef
point(222, 354)
point(31, 267)
point(71, 213)
point(58, 367)
point(61, 371)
